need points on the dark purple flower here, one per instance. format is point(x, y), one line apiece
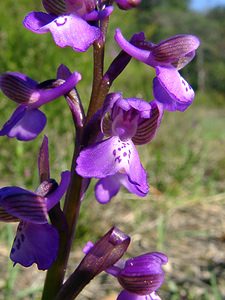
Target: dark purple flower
point(67, 20)
point(36, 240)
point(140, 276)
point(115, 160)
point(127, 4)
point(167, 58)
point(28, 121)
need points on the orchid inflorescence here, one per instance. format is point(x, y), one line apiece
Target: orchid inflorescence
point(105, 147)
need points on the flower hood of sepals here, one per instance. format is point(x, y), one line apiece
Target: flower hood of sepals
point(167, 58)
point(36, 240)
point(130, 118)
point(28, 121)
point(68, 22)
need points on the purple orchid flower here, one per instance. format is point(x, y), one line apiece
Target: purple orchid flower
point(36, 240)
point(140, 276)
point(28, 121)
point(167, 57)
point(67, 20)
point(115, 160)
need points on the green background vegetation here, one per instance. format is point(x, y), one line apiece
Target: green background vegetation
point(185, 162)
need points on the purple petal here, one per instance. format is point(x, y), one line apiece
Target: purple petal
point(141, 189)
point(142, 107)
point(125, 295)
point(106, 188)
point(147, 128)
point(37, 21)
point(80, 7)
point(63, 72)
point(17, 86)
point(56, 7)
point(42, 96)
point(35, 243)
point(140, 54)
point(143, 274)
point(54, 197)
point(105, 13)
point(111, 156)
point(17, 115)
point(71, 30)
point(43, 161)
point(23, 204)
point(172, 90)
point(23, 89)
point(5, 217)
point(176, 51)
point(179, 49)
point(24, 125)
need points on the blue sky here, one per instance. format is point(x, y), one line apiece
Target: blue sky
point(206, 4)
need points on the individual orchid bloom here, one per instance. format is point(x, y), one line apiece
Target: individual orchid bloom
point(115, 160)
point(167, 57)
point(28, 121)
point(140, 276)
point(67, 20)
point(127, 4)
point(36, 240)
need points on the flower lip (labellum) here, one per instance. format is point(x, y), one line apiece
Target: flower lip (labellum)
point(125, 295)
point(68, 22)
point(143, 274)
point(167, 58)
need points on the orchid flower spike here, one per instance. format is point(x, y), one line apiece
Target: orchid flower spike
point(167, 57)
point(67, 20)
point(115, 160)
point(27, 121)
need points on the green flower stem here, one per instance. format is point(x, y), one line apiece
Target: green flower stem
point(56, 273)
point(98, 55)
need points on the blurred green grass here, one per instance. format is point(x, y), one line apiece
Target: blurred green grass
point(185, 161)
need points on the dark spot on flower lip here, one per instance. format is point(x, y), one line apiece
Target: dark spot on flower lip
point(22, 237)
point(124, 154)
point(118, 159)
point(18, 244)
point(61, 23)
